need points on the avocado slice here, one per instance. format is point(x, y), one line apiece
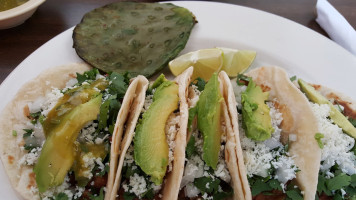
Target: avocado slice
point(209, 124)
point(70, 100)
point(150, 143)
point(338, 118)
point(255, 113)
point(58, 151)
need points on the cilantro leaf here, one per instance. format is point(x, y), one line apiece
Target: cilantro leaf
point(353, 180)
point(259, 186)
point(294, 194)
point(104, 112)
point(149, 194)
point(242, 79)
point(129, 196)
point(192, 113)
point(353, 121)
point(191, 149)
point(207, 184)
point(100, 197)
point(61, 196)
point(321, 184)
point(200, 83)
point(88, 75)
point(318, 137)
point(117, 85)
point(293, 78)
point(28, 133)
point(274, 184)
point(338, 182)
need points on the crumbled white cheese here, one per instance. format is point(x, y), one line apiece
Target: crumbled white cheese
point(129, 158)
point(193, 94)
point(171, 130)
point(147, 103)
point(337, 145)
point(137, 184)
point(30, 158)
point(50, 100)
point(87, 133)
point(71, 82)
point(259, 157)
point(63, 188)
point(238, 89)
point(196, 168)
point(89, 163)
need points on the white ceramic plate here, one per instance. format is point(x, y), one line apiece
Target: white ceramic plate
point(278, 41)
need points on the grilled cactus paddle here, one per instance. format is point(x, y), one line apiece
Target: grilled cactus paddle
point(140, 38)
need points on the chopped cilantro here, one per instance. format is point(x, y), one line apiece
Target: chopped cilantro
point(100, 197)
point(293, 78)
point(242, 79)
point(104, 112)
point(88, 75)
point(353, 121)
point(294, 195)
point(118, 84)
point(260, 186)
point(14, 133)
point(129, 196)
point(61, 196)
point(191, 149)
point(200, 83)
point(275, 184)
point(192, 114)
point(105, 171)
point(149, 194)
point(28, 133)
point(318, 137)
point(207, 184)
point(353, 180)
point(286, 147)
point(338, 182)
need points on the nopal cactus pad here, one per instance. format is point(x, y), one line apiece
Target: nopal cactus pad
point(140, 38)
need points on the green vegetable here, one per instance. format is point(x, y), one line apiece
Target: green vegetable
point(201, 184)
point(293, 78)
point(209, 115)
point(191, 149)
point(137, 37)
point(255, 113)
point(200, 83)
point(353, 121)
point(318, 137)
point(118, 84)
point(191, 116)
point(61, 196)
point(242, 79)
point(87, 76)
point(100, 197)
point(14, 133)
point(338, 182)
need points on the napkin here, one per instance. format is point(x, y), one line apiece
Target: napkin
point(336, 26)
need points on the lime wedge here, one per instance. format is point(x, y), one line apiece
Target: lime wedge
point(236, 61)
point(204, 61)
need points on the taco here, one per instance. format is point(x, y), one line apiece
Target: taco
point(212, 168)
point(150, 148)
point(277, 128)
point(55, 133)
point(336, 123)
